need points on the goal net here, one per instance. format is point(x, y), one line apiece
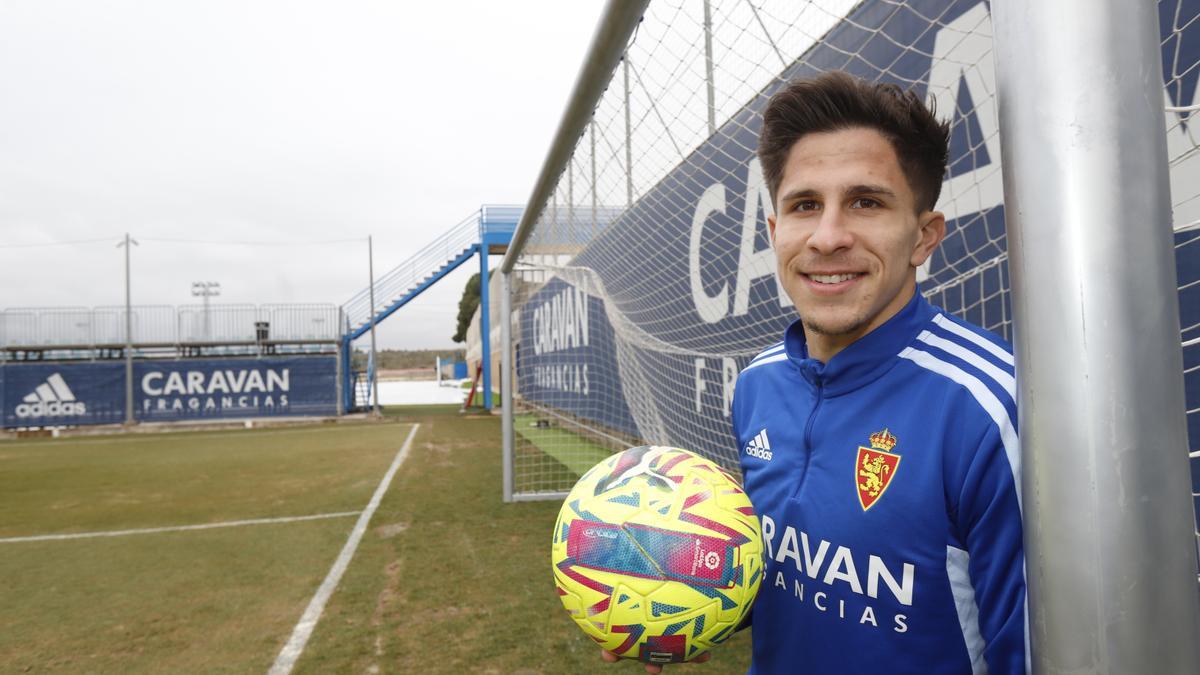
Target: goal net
point(649, 282)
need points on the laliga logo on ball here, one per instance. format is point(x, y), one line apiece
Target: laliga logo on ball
point(644, 543)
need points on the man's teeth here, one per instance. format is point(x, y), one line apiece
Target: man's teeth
point(831, 278)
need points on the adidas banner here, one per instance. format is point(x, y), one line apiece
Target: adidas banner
point(59, 394)
point(63, 394)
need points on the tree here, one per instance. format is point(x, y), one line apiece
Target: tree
point(466, 307)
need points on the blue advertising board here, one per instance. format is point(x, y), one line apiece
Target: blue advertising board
point(234, 388)
point(567, 357)
point(68, 394)
point(59, 394)
point(712, 272)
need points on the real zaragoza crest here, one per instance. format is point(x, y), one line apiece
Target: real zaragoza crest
point(875, 468)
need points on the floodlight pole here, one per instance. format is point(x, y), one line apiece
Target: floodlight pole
point(1110, 543)
point(206, 290)
point(374, 363)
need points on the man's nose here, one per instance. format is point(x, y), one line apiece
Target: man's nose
point(831, 234)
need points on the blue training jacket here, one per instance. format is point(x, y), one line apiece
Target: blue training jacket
point(887, 481)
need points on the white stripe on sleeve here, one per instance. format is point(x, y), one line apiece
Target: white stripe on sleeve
point(1002, 378)
point(986, 399)
point(763, 361)
point(774, 349)
point(957, 562)
point(987, 344)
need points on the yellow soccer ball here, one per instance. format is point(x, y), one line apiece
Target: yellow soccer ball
point(657, 554)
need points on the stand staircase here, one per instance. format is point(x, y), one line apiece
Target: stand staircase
point(488, 230)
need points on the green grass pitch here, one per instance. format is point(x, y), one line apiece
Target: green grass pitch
point(447, 579)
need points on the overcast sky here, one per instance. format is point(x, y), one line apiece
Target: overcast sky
point(277, 123)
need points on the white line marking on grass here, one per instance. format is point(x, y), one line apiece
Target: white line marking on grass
point(146, 436)
point(178, 528)
point(312, 614)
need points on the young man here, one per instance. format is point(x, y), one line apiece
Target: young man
point(879, 441)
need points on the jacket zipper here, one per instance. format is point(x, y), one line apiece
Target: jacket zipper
point(808, 446)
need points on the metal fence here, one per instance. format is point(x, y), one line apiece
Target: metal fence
point(48, 327)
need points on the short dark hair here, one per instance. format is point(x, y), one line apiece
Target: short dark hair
point(835, 101)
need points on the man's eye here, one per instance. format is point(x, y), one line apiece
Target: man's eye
point(806, 205)
point(864, 203)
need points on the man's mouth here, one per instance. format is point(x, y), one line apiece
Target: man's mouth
point(833, 278)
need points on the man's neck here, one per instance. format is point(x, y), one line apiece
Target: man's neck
point(823, 346)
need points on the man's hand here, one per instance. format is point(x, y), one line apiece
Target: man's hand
point(653, 668)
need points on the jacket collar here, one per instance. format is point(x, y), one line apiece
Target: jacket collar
point(865, 359)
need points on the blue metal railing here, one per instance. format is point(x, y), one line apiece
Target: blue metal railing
point(488, 230)
point(498, 219)
point(423, 264)
point(450, 249)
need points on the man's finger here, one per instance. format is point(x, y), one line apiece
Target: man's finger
point(656, 669)
point(652, 668)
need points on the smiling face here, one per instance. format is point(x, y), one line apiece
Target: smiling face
point(848, 235)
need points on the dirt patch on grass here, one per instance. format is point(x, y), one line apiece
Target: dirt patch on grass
point(437, 448)
point(390, 530)
point(388, 596)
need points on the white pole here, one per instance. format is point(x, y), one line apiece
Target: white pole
point(628, 135)
point(708, 69)
point(506, 383)
point(1109, 529)
point(129, 419)
point(595, 201)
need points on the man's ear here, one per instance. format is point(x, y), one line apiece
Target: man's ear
point(933, 230)
point(771, 228)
